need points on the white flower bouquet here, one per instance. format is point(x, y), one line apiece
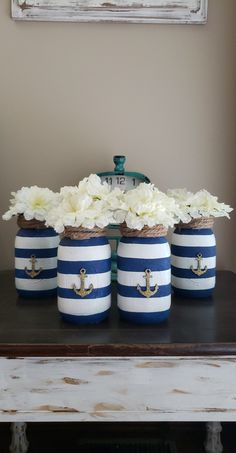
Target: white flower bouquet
point(146, 206)
point(32, 202)
point(90, 204)
point(198, 205)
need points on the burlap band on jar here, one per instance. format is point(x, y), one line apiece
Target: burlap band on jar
point(83, 233)
point(202, 222)
point(145, 232)
point(31, 224)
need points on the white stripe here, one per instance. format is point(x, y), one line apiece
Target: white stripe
point(193, 283)
point(143, 250)
point(134, 304)
point(37, 243)
point(84, 307)
point(36, 284)
point(98, 252)
point(44, 263)
point(193, 241)
point(185, 263)
point(98, 280)
point(133, 278)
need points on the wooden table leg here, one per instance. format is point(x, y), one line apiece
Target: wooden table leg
point(19, 442)
point(213, 442)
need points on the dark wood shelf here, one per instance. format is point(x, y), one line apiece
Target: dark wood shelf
point(32, 327)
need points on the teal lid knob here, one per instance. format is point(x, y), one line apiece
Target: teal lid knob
point(119, 162)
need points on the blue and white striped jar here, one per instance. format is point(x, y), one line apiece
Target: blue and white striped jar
point(144, 276)
point(193, 259)
point(35, 259)
point(84, 277)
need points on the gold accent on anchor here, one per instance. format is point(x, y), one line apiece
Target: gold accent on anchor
point(147, 292)
point(82, 291)
point(199, 271)
point(33, 272)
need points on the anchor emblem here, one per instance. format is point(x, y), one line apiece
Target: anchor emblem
point(147, 292)
point(82, 291)
point(33, 272)
point(199, 271)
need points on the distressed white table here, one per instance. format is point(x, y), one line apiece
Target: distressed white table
point(182, 370)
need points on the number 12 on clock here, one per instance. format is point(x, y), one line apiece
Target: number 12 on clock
point(123, 182)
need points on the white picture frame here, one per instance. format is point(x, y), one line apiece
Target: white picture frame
point(132, 11)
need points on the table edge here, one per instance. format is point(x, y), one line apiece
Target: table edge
point(13, 350)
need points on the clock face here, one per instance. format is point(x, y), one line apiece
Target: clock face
point(122, 181)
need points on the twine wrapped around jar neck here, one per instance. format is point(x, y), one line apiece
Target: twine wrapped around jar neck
point(202, 222)
point(156, 231)
point(83, 233)
point(31, 224)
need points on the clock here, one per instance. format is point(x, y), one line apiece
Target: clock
point(125, 180)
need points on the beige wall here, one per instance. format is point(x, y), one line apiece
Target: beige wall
point(72, 95)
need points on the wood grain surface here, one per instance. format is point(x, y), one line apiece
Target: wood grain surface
point(195, 327)
point(118, 389)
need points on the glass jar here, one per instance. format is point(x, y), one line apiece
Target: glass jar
point(143, 275)
point(35, 259)
point(84, 276)
point(193, 259)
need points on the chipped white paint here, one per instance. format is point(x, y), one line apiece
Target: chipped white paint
point(19, 442)
point(213, 441)
point(146, 11)
point(118, 389)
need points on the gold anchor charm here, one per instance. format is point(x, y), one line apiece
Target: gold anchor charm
point(82, 291)
point(199, 271)
point(33, 272)
point(147, 293)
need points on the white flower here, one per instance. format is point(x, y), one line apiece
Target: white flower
point(180, 195)
point(91, 203)
point(200, 204)
point(208, 205)
point(147, 206)
point(33, 202)
point(93, 186)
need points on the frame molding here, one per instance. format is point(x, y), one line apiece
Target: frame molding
point(131, 11)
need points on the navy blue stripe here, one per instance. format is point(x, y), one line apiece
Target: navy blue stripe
point(131, 291)
point(195, 294)
point(89, 319)
point(191, 252)
point(194, 231)
point(96, 293)
point(188, 273)
point(144, 318)
point(140, 264)
point(34, 233)
point(84, 242)
point(92, 267)
point(138, 240)
point(48, 273)
point(37, 294)
point(39, 253)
